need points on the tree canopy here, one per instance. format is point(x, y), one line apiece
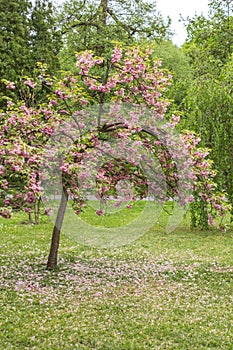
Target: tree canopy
point(98, 25)
point(29, 34)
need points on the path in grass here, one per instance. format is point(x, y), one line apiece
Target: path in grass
point(162, 292)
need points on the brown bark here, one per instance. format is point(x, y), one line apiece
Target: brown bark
point(52, 259)
point(104, 12)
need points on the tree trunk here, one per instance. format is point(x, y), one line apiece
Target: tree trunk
point(52, 259)
point(102, 14)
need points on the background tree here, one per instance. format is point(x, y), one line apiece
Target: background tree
point(14, 40)
point(29, 34)
point(175, 60)
point(45, 35)
point(88, 25)
point(210, 40)
point(209, 106)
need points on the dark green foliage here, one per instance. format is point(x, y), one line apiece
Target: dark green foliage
point(29, 34)
point(14, 39)
point(209, 106)
point(45, 37)
point(177, 62)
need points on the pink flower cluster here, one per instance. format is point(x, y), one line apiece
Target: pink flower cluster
point(11, 86)
point(30, 83)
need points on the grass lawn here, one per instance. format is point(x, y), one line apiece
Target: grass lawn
point(163, 291)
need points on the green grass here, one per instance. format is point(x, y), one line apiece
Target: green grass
point(163, 291)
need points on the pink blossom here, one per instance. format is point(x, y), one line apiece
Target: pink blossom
point(6, 212)
point(65, 168)
point(210, 220)
point(2, 170)
point(11, 86)
point(29, 83)
point(48, 211)
point(61, 94)
point(7, 202)
point(4, 184)
point(175, 119)
point(35, 187)
point(30, 197)
point(217, 206)
point(25, 110)
point(9, 104)
point(117, 55)
point(100, 212)
point(53, 102)
point(16, 168)
point(191, 198)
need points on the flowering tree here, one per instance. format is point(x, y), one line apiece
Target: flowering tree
point(125, 132)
